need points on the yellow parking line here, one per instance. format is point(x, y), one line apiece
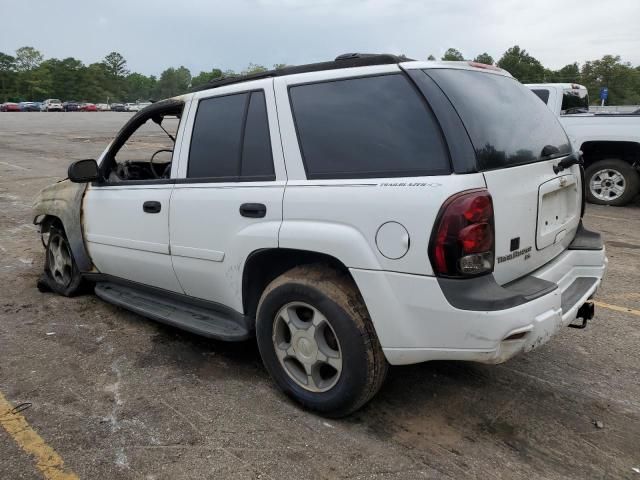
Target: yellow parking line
point(47, 460)
point(618, 309)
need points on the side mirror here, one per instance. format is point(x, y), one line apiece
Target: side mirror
point(83, 171)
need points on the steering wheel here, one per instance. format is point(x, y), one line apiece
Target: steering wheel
point(153, 170)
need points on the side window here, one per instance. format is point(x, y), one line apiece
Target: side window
point(256, 152)
point(367, 127)
point(230, 140)
point(542, 95)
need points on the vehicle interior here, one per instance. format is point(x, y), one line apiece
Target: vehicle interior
point(143, 149)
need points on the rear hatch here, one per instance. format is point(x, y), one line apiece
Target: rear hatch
point(518, 141)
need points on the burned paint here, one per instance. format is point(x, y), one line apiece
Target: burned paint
point(63, 200)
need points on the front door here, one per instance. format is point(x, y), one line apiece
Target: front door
point(229, 202)
point(126, 217)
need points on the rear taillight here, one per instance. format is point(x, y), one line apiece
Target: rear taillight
point(462, 242)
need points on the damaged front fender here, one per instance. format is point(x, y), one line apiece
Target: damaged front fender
point(63, 200)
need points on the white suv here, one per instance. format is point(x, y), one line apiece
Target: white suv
point(51, 105)
point(349, 214)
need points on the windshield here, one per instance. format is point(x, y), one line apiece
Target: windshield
point(54, 100)
point(508, 125)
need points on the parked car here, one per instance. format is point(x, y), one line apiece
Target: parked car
point(88, 107)
point(51, 105)
point(103, 107)
point(610, 142)
point(71, 106)
point(9, 107)
point(117, 107)
point(421, 220)
point(131, 107)
point(29, 106)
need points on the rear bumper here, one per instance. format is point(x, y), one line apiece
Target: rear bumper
point(416, 321)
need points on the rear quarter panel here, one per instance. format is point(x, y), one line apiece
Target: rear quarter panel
point(341, 217)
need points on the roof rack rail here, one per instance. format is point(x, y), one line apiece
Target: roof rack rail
point(346, 60)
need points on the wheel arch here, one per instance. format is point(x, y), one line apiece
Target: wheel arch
point(62, 203)
point(596, 150)
point(264, 265)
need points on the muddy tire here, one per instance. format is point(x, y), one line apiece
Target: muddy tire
point(61, 273)
point(611, 182)
point(317, 341)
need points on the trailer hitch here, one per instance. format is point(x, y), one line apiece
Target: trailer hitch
point(585, 312)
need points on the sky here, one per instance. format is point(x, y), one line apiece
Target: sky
point(199, 34)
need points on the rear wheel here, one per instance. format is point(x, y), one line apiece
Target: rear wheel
point(317, 341)
point(611, 182)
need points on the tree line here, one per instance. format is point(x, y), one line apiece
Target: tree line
point(621, 78)
point(27, 75)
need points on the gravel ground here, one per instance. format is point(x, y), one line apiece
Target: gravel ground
point(118, 396)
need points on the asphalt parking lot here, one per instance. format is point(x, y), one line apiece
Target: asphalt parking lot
point(116, 396)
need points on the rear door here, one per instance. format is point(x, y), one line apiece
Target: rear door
point(518, 141)
point(228, 201)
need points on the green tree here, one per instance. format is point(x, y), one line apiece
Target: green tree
point(27, 58)
point(619, 77)
point(95, 85)
point(206, 77)
point(279, 66)
point(484, 58)
point(116, 68)
point(7, 76)
point(65, 77)
point(568, 73)
point(116, 64)
point(36, 84)
point(452, 54)
point(139, 87)
point(229, 74)
point(431, 58)
point(521, 65)
point(173, 81)
point(253, 68)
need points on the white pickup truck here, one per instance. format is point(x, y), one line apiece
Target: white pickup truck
point(610, 142)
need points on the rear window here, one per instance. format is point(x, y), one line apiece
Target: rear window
point(367, 127)
point(508, 126)
point(575, 101)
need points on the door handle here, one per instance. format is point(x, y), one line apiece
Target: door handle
point(151, 206)
point(253, 210)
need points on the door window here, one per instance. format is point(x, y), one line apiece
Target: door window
point(230, 140)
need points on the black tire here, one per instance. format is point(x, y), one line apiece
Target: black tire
point(630, 181)
point(62, 279)
point(335, 296)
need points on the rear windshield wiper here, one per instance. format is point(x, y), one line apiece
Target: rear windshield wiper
point(574, 159)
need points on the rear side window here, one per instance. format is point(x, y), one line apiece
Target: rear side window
point(507, 125)
point(542, 95)
point(575, 101)
point(230, 139)
point(367, 127)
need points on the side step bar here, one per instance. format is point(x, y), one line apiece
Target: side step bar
point(174, 311)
